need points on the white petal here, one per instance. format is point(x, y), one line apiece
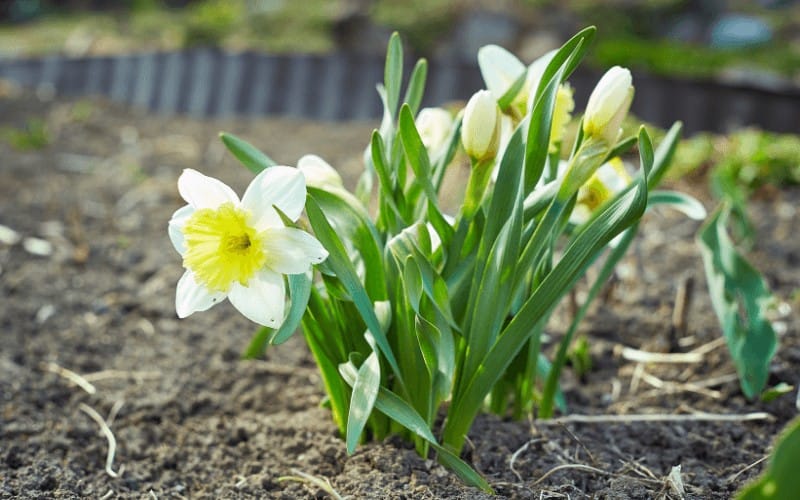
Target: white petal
point(190, 296)
point(318, 172)
point(292, 251)
point(499, 68)
point(175, 227)
point(284, 187)
point(202, 191)
point(263, 299)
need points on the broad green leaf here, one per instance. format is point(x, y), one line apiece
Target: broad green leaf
point(416, 85)
point(365, 390)
point(250, 156)
point(780, 481)
point(344, 270)
point(740, 297)
point(393, 72)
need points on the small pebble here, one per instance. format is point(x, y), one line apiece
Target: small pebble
point(8, 236)
point(44, 313)
point(38, 246)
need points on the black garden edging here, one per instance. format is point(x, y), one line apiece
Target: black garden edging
point(341, 87)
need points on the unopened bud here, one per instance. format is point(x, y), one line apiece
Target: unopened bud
point(319, 173)
point(433, 125)
point(608, 105)
point(480, 130)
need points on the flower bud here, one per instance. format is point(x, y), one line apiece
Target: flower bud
point(319, 173)
point(433, 125)
point(480, 130)
point(608, 105)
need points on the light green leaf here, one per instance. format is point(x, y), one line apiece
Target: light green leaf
point(416, 85)
point(393, 72)
point(250, 156)
point(781, 480)
point(740, 297)
point(688, 205)
point(365, 391)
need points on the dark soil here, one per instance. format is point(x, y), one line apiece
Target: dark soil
point(193, 420)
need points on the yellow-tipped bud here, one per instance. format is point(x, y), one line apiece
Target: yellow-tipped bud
point(608, 105)
point(480, 129)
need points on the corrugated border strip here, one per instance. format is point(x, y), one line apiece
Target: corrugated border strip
point(341, 87)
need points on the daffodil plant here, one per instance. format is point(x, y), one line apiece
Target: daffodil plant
point(419, 319)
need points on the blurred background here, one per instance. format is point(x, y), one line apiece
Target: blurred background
point(721, 66)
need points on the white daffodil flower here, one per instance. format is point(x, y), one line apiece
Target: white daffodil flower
point(240, 248)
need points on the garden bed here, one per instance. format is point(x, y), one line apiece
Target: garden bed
point(191, 419)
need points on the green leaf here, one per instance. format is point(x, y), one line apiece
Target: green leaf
point(775, 392)
point(250, 156)
point(682, 202)
point(341, 265)
point(781, 480)
point(300, 291)
point(613, 219)
point(401, 412)
point(416, 85)
point(551, 385)
point(581, 42)
point(541, 120)
point(415, 151)
point(365, 391)
point(663, 155)
point(393, 72)
point(740, 297)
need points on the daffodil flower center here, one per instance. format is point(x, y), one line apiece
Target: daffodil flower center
point(222, 247)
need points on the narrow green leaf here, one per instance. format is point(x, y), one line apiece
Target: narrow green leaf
point(581, 41)
point(622, 147)
point(541, 120)
point(612, 220)
point(299, 291)
point(682, 202)
point(551, 384)
point(416, 153)
point(416, 86)
point(506, 99)
point(740, 296)
point(340, 262)
point(393, 72)
point(335, 387)
point(365, 391)
point(250, 156)
point(663, 155)
point(258, 343)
